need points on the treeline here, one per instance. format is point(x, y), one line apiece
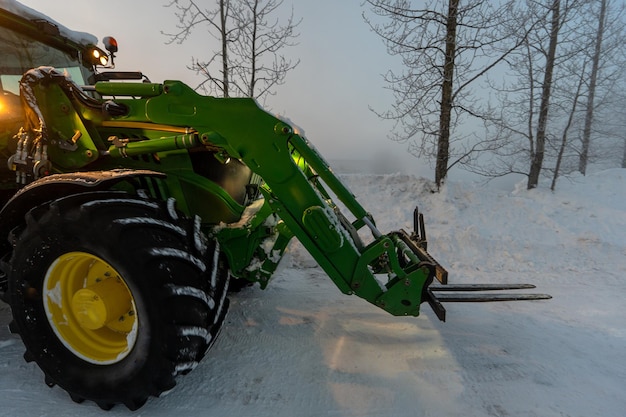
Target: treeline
point(534, 87)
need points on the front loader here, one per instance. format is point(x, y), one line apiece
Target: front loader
point(129, 206)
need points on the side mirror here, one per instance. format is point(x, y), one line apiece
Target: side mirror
point(110, 44)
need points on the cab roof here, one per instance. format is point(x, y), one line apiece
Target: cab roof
point(25, 12)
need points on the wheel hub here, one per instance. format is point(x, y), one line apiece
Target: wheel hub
point(90, 308)
point(101, 303)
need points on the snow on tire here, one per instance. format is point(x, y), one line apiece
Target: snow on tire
point(115, 295)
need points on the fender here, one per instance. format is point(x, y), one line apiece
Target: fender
point(60, 185)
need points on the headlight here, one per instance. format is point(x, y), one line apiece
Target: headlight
point(10, 108)
point(97, 56)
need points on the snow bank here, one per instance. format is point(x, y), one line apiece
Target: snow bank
point(300, 348)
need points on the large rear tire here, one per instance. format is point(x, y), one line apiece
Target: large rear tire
point(115, 295)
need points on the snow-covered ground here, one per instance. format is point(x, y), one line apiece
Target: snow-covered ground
point(300, 348)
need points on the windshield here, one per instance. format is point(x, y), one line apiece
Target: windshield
point(18, 54)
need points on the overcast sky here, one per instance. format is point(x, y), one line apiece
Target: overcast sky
point(328, 94)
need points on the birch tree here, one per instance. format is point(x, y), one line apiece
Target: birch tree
point(537, 152)
point(249, 61)
point(605, 29)
point(595, 63)
point(539, 100)
point(570, 121)
point(446, 47)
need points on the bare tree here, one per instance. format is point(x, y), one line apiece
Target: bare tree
point(537, 154)
point(190, 15)
point(249, 62)
point(540, 98)
point(605, 28)
point(261, 67)
point(446, 47)
point(595, 63)
point(570, 121)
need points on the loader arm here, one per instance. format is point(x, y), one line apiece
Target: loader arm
point(133, 122)
point(297, 182)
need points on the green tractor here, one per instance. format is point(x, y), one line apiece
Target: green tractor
point(129, 206)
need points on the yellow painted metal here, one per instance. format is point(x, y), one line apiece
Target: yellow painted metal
point(148, 126)
point(101, 303)
point(90, 308)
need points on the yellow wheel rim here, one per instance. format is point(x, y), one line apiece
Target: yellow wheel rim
point(90, 308)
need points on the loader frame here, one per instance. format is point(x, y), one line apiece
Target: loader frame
point(167, 122)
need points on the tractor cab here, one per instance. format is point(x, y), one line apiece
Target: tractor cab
point(28, 40)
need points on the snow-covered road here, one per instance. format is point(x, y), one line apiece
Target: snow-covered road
point(300, 348)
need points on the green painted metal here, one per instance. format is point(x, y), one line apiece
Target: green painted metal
point(294, 191)
point(165, 127)
point(129, 89)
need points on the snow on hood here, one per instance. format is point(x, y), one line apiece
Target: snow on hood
point(19, 9)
